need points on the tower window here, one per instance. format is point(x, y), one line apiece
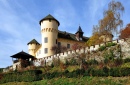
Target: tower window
point(59, 44)
point(68, 45)
point(49, 20)
point(46, 50)
point(46, 39)
point(56, 41)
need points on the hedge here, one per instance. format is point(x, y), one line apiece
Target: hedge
point(26, 76)
point(115, 72)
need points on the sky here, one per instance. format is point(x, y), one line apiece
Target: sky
point(19, 21)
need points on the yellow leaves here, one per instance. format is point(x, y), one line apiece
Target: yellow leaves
point(111, 19)
point(95, 39)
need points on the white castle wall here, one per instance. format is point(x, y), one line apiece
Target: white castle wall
point(66, 55)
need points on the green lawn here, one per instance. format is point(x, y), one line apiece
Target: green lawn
point(78, 81)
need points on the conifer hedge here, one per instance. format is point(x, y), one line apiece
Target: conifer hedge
point(26, 76)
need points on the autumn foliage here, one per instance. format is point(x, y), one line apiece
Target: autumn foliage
point(76, 46)
point(95, 39)
point(125, 33)
point(59, 49)
point(112, 20)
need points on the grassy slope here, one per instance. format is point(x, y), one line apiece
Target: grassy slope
point(78, 81)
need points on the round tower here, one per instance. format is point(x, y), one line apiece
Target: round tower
point(32, 46)
point(49, 30)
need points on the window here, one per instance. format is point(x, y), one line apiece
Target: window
point(49, 20)
point(46, 50)
point(59, 44)
point(56, 41)
point(68, 45)
point(46, 39)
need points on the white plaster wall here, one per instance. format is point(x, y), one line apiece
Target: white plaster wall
point(31, 49)
point(49, 30)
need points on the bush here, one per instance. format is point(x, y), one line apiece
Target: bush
point(126, 60)
point(106, 71)
point(66, 71)
point(110, 44)
point(93, 62)
point(66, 62)
point(106, 60)
point(125, 71)
point(1, 70)
point(27, 76)
point(115, 72)
point(118, 62)
point(102, 48)
point(73, 61)
point(1, 76)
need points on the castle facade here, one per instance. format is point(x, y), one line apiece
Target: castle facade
point(52, 37)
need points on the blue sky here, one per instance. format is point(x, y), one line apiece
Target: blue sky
point(19, 20)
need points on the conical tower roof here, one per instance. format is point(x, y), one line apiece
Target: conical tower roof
point(33, 42)
point(79, 30)
point(49, 17)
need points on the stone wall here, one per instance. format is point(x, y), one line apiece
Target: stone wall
point(125, 45)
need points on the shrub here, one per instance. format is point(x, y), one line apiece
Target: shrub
point(1, 70)
point(118, 61)
point(93, 62)
point(126, 60)
point(66, 62)
point(110, 44)
point(27, 76)
point(97, 72)
point(106, 71)
point(1, 76)
point(115, 72)
point(106, 60)
point(102, 48)
point(66, 71)
point(73, 61)
point(125, 71)
point(52, 65)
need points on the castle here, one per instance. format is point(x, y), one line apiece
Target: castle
point(51, 37)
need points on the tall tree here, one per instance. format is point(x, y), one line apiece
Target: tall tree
point(125, 33)
point(112, 20)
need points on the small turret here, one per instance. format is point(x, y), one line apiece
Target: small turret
point(32, 46)
point(79, 34)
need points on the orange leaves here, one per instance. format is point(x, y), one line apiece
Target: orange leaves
point(76, 46)
point(125, 33)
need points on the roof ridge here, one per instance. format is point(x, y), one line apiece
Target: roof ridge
point(33, 41)
point(49, 16)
